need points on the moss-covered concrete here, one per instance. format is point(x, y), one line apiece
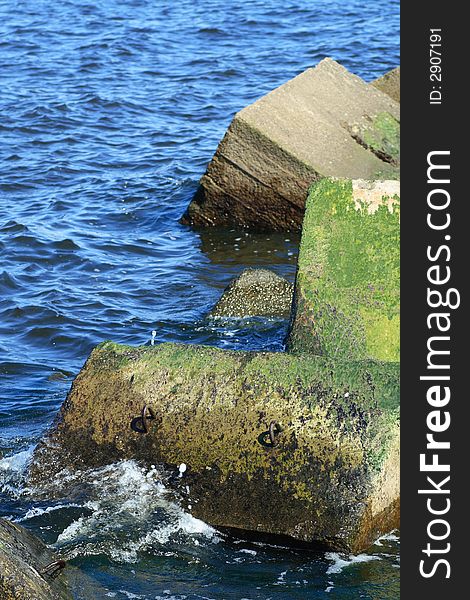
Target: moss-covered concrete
point(331, 476)
point(346, 301)
point(381, 135)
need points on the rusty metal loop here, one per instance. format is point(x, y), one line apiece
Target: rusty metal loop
point(268, 439)
point(140, 424)
point(53, 569)
point(147, 413)
point(274, 431)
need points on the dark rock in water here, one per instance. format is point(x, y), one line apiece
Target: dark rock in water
point(256, 292)
point(273, 443)
point(29, 570)
point(325, 122)
point(23, 557)
point(389, 84)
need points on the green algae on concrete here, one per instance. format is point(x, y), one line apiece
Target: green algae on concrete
point(331, 477)
point(346, 301)
point(381, 135)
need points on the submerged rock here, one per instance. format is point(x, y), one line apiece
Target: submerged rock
point(22, 559)
point(324, 122)
point(389, 84)
point(255, 292)
point(347, 291)
point(273, 443)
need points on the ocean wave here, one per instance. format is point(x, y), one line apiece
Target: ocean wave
point(129, 511)
point(341, 562)
point(12, 472)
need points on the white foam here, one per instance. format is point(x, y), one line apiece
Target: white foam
point(72, 531)
point(388, 537)
point(247, 551)
point(130, 595)
point(281, 580)
point(38, 511)
point(12, 471)
point(18, 462)
point(160, 536)
point(131, 499)
point(340, 562)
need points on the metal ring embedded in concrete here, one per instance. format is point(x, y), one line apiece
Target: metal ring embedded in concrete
point(274, 431)
point(53, 568)
point(147, 413)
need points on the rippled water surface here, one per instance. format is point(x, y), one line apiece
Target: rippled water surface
point(110, 112)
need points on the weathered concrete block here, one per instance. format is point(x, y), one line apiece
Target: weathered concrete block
point(256, 292)
point(389, 84)
point(22, 558)
point(29, 570)
point(324, 122)
point(347, 291)
point(331, 475)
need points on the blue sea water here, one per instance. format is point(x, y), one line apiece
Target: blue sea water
point(110, 111)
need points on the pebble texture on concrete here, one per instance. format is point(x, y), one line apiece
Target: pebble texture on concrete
point(256, 292)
